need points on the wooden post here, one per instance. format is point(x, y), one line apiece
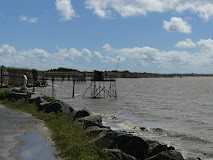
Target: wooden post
point(1, 76)
point(52, 86)
point(73, 88)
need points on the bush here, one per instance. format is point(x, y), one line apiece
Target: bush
point(4, 94)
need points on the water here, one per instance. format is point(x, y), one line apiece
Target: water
point(35, 148)
point(175, 111)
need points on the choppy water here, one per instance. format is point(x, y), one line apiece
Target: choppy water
point(175, 111)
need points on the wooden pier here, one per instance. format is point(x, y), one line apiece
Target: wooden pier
point(100, 85)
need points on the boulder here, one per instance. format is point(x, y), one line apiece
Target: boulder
point(65, 108)
point(18, 94)
point(116, 154)
point(37, 100)
point(95, 130)
point(55, 106)
point(80, 114)
point(4, 86)
point(155, 147)
point(129, 144)
point(167, 155)
point(193, 158)
point(47, 107)
point(89, 121)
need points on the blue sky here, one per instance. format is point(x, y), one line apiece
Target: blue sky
point(158, 36)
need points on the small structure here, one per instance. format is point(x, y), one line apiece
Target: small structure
point(23, 87)
point(101, 86)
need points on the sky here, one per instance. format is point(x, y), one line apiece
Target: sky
point(155, 36)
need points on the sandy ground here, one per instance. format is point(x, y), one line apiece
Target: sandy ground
point(14, 124)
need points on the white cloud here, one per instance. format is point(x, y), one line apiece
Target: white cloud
point(86, 53)
point(125, 8)
point(206, 45)
point(65, 9)
point(186, 44)
point(177, 25)
point(40, 53)
point(203, 8)
point(27, 19)
point(98, 54)
point(147, 56)
point(68, 53)
point(6, 49)
point(140, 57)
point(107, 47)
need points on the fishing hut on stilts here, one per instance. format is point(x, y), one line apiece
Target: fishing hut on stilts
point(101, 86)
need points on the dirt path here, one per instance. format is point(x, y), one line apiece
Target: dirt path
point(13, 125)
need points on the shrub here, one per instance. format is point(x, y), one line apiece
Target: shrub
point(4, 94)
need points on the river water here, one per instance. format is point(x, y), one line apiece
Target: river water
point(175, 111)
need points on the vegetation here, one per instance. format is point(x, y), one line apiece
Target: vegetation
point(63, 70)
point(69, 138)
point(47, 98)
point(4, 94)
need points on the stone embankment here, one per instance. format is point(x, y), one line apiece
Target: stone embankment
point(118, 144)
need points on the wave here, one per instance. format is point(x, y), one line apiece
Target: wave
point(180, 136)
point(109, 117)
point(128, 125)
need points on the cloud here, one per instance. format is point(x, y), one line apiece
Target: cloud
point(86, 53)
point(141, 57)
point(177, 25)
point(39, 53)
point(206, 45)
point(27, 19)
point(6, 49)
point(41, 59)
point(98, 54)
point(107, 47)
point(148, 56)
point(65, 9)
point(126, 8)
point(186, 44)
point(203, 8)
point(68, 53)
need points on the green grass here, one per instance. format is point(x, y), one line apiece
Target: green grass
point(70, 140)
point(47, 98)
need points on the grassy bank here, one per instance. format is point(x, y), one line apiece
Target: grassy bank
point(70, 140)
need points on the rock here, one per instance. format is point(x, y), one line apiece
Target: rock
point(4, 87)
point(116, 154)
point(129, 144)
point(155, 147)
point(55, 106)
point(43, 106)
point(66, 109)
point(37, 100)
point(95, 130)
point(90, 121)
point(193, 158)
point(29, 85)
point(142, 128)
point(18, 95)
point(167, 155)
point(81, 113)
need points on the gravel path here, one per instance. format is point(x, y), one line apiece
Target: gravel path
point(14, 124)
